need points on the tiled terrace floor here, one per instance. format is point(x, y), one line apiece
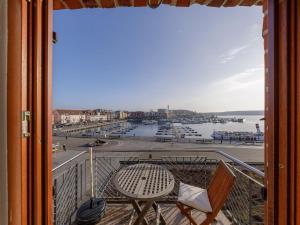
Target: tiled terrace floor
point(120, 214)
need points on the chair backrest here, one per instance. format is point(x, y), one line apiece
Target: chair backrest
point(219, 188)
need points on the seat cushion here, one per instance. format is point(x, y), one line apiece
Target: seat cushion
point(194, 197)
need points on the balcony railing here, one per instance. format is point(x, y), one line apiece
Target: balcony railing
point(71, 184)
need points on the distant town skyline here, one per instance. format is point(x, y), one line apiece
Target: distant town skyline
point(239, 112)
point(197, 58)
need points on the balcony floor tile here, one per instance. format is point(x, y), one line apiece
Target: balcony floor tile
point(119, 214)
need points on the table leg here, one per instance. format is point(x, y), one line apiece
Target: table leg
point(138, 210)
point(158, 215)
point(162, 219)
point(141, 213)
point(132, 217)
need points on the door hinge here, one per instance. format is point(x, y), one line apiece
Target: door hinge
point(25, 123)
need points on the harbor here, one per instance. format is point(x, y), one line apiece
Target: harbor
point(231, 132)
point(126, 136)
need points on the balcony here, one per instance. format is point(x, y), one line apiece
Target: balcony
point(71, 186)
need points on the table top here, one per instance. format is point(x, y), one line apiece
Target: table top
point(144, 181)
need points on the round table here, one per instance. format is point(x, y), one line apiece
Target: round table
point(145, 182)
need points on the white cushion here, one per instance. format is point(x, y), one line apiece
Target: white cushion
point(194, 197)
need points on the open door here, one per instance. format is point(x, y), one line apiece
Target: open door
point(29, 111)
point(29, 83)
point(282, 144)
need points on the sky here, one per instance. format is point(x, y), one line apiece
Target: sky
point(199, 58)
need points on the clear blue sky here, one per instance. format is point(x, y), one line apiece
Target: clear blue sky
point(198, 58)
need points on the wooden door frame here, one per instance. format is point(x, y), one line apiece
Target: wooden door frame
point(16, 96)
point(3, 113)
point(29, 85)
point(29, 68)
point(283, 113)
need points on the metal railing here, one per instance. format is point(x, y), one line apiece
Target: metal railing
point(69, 188)
point(245, 205)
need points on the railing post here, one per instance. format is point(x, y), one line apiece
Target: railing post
point(76, 186)
point(85, 176)
point(205, 173)
point(91, 170)
point(81, 181)
point(250, 201)
point(54, 202)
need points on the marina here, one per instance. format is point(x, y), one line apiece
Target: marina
point(257, 136)
point(177, 132)
point(213, 119)
point(248, 131)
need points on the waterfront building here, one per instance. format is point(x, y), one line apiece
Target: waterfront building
point(164, 113)
point(138, 115)
point(103, 117)
point(104, 114)
point(152, 115)
point(66, 116)
point(121, 115)
point(92, 116)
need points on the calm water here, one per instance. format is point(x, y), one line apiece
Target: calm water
point(206, 129)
